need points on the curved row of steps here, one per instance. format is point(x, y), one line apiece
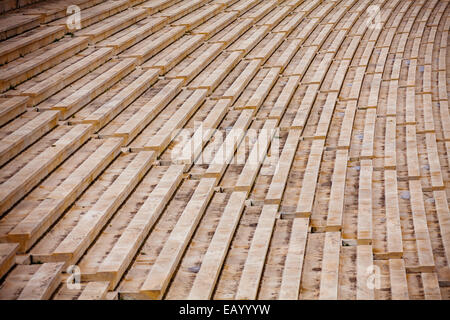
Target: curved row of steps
point(225, 149)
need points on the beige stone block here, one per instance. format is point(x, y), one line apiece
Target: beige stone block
point(61, 79)
point(34, 171)
point(337, 193)
point(263, 90)
point(133, 126)
point(399, 285)
point(162, 138)
point(251, 275)
point(284, 98)
point(365, 270)
point(163, 270)
point(16, 47)
point(241, 82)
point(393, 226)
point(16, 74)
point(293, 267)
point(310, 178)
point(7, 257)
point(345, 134)
point(11, 108)
point(214, 257)
point(305, 107)
point(91, 90)
point(121, 100)
point(94, 291)
point(431, 286)
point(364, 221)
point(39, 220)
point(329, 282)
point(89, 226)
point(120, 256)
point(43, 283)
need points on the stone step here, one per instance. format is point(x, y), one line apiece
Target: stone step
point(11, 108)
point(91, 90)
point(263, 89)
point(7, 257)
point(284, 98)
point(209, 29)
point(27, 134)
point(121, 255)
point(213, 260)
point(257, 155)
point(203, 134)
point(167, 133)
point(32, 282)
point(41, 218)
point(172, 55)
point(44, 89)
point(399, 285)
point(421, 231)
point(106, 28)
point(14, 24)
point(197, 17)
point(293, 267)
point(329, 278)
point(94, 290)
point(19, 46)
point(254, 264)
point(130, 129)
point(212, 80)
point(43, 283)
point(145, 28)
point(165, 265)
point(121, 100)
point(227, 149)
point(54, 9)
point(25, 68)
point(394, 231)
point(149, 47)
point(88, 227)
point(337, 193)
point(310, 179)
point(234, 91)
point(20, 183)
point(177, 11)
point(365, 228)
point(95, 14)
point(200, 62)
point(305, 107)
point(153, 6)
point(279, 179)
point(365, 273)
